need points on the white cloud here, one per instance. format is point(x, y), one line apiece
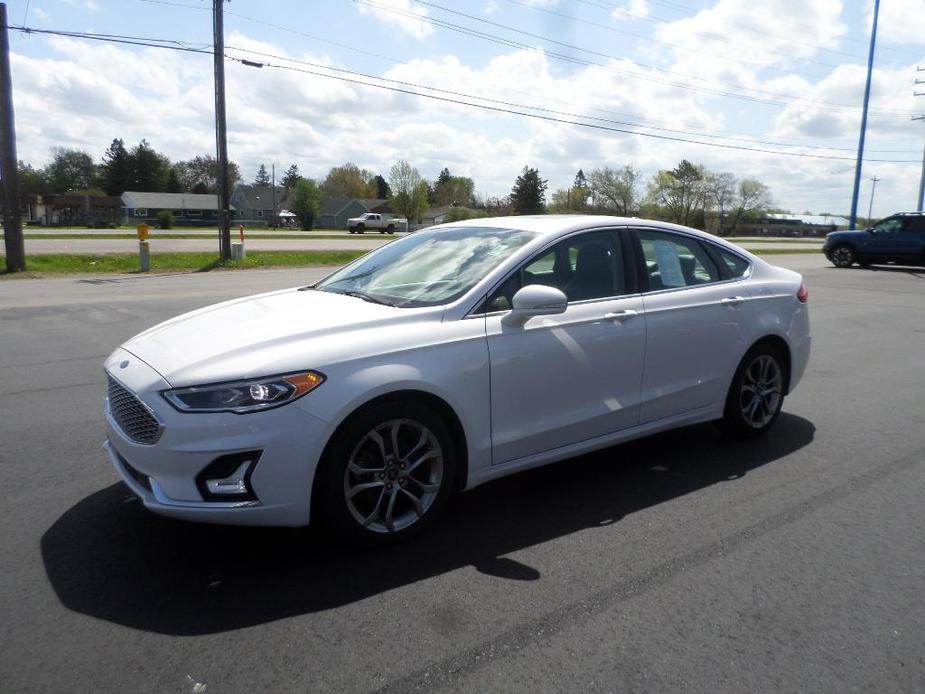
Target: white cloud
point(490, 8)
point(400, 14)
point(900, 21)
point(634, 9)
point(40, 14)
point(87, 4)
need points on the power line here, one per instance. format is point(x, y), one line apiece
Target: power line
point(519, 110)
point(579, 61)
point(643, 37)
point(481, 83)
point(546, 110)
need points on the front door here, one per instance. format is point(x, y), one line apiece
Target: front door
point(566, 378)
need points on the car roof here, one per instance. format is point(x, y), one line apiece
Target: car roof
point(556, 224)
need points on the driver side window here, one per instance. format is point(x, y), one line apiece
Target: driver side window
point(888, 226)
point(583, 267)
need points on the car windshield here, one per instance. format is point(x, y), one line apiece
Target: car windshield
point(428, 268)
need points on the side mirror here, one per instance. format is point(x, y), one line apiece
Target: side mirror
point(535, 300)
point(869, 230)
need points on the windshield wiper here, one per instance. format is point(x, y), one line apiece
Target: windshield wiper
point(369, 298)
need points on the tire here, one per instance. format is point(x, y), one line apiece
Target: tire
point(756, 394)
point(391, 229)
point(361, 229)
point(366, 493)
point(382, 231)
point(843, 256)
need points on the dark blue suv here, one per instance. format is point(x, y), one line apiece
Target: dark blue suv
point(897, 239)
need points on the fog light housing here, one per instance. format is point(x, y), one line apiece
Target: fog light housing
point(228, 478)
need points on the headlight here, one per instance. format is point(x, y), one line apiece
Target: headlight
point(244, 396)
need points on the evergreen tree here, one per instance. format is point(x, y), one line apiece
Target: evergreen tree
point(291, 177)
point(383, 191)
point(529, 192)
point(150, 169)
point(115, 173)
point(263, 178)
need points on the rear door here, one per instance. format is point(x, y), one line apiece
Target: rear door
point(566, 378)
point(698, 313)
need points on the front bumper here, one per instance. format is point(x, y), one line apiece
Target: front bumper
point(163, 474)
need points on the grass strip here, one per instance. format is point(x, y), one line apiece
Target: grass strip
point(182, 262)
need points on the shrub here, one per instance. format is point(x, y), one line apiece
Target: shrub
point(165, 219)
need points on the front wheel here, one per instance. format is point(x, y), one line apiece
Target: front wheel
point(387, 474)
point(756, 394)
point(843, 256)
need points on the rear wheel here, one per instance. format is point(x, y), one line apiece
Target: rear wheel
point(843, 256)
point(387, 474)
point(391, 229)
point(756, 394)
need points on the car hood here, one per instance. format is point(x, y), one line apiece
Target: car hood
point(845, 235)
point(267, 334)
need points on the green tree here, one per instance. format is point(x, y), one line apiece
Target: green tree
point(32, 181)
point(409, 190)
point(348, 181)
point(263, 177)
point(452, 190)
point(306, 202)
point(615, 191)
point(529, 192)
point(200, 174)
point(69, 170)
point(291, 177)
point(383, 192)
point(680, 193)
point(753, 198)
point(150, 169)
point(114, 174)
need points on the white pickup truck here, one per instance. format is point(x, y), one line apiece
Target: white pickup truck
point(376, 222)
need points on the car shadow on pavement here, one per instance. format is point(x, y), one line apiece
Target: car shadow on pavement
point(109, 558)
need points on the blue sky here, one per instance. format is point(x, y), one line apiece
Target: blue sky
point(780, 75)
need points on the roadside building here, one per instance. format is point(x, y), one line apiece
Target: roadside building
point(336, 211)
point(58, 210)
point(439, 215)
point(786, 224)
point(257, 205)
point(189, 209)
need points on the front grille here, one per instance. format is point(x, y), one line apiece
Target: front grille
point(133, 417)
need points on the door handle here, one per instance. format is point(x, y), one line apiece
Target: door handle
point(621, 315)
point(732, 300)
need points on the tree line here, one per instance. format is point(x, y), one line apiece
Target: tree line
point(688, 194)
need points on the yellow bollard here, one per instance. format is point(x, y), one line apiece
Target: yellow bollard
point(144, 250)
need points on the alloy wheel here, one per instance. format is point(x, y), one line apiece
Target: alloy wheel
point(761, 392)
point(843, 256)
point(393, 476)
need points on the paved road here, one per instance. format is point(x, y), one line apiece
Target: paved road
point(295, 242)
point(675, 563)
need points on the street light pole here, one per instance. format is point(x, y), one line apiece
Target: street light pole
point(870, 68)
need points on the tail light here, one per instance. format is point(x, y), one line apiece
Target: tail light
point(803, 294)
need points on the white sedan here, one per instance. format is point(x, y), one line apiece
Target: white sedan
point(443, 360)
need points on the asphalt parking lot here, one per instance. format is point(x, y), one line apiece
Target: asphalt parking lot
point(678, 562)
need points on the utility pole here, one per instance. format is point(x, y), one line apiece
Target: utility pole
point(273, 196)
point(870, 209)
point(221, 139)
point(12, 214)
point(920, 201)
point(870, 68)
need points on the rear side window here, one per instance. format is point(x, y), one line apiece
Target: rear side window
point(915, 223)
point(673, 261)
point(735, 265)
